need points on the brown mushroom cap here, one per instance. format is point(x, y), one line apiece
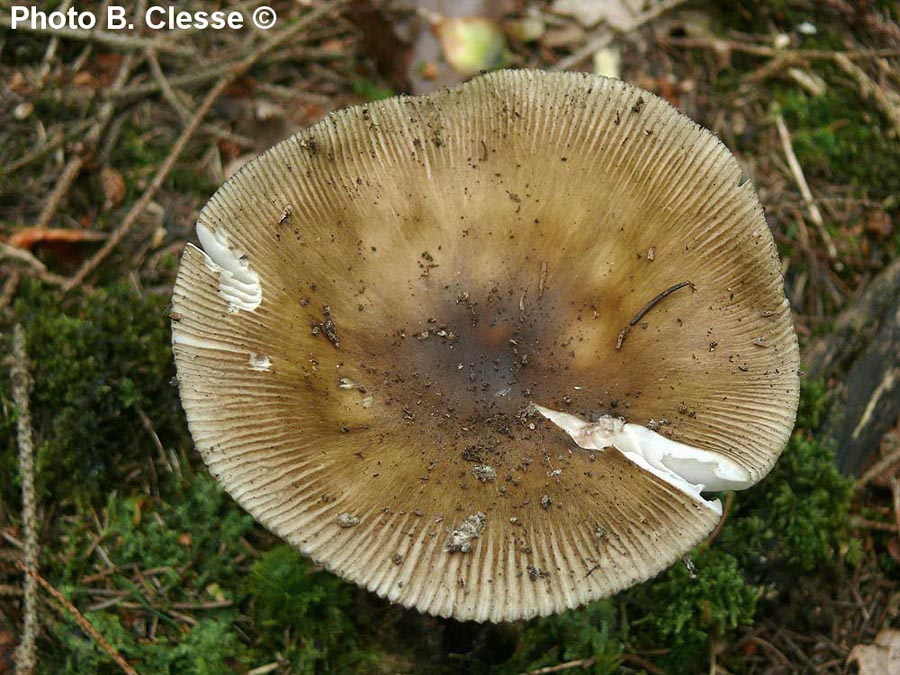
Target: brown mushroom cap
point(384, 296)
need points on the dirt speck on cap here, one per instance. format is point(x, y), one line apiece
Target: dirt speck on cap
point(484, 473)
point(460, 540)
point(347, 520)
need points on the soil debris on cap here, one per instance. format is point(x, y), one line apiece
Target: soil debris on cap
point(484, 473)
point(347, 520)
point(460, 540)
point(327, 327)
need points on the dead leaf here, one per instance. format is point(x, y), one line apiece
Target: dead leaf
point(879, 223)
point(622, 15)
point(472, 44)
point(84, 79)
point(880, 658)
point(7, 651)
point(29, 238)
point(893, 549)
point(113, 187)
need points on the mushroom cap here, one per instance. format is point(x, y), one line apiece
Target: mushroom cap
point(383, 297)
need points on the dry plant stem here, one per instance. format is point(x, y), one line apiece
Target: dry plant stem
point(888, 101)
point(584, 52)
point(7, 251)
point(762, 50)
point(895, 493)
point(10, 286)
point(50, 52)
point(63, 183)
point(646, 308)
point(166, 88)
point(121, 41)
point(86, 625)
point(797, 172)
point(21, 390)
point(568, 665)
point(196, 120)
point(878, 468)
point(47, 147)
point(74, 166)
point(729, 500)
point(195, 77)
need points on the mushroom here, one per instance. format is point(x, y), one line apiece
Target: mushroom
point(425, 343)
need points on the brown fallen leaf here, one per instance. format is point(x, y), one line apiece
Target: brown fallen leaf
point(61, 246)
point(113, 187)
point(29, 238)
point(7, 651)
point(880, 658)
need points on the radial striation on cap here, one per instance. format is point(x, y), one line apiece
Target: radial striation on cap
point(428, 342)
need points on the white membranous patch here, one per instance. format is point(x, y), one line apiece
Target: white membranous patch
point(238, 284)
point(260, 362)
point(684, 467)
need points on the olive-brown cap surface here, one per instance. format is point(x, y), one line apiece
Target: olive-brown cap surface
point(389, 304)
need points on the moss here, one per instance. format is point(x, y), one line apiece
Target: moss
point(841, 139)
point(684, 610)
point(306, 614)
point(209, 647)
point(98, 363)
point(795, 520)
point(370, 90)
point(586, 633)
point(197, 522)
point(138, 148)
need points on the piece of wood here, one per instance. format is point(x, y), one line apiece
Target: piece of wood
point(860, 358)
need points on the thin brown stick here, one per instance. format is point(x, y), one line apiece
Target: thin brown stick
point(50, 51)
point(122, 41)
point(568, 665)
point(49, 146)
point(887, 100)
point(799, 177)
point(73, 167)
point(187, 133)
point(878, 468)
point(895, 494)
point(166, 88)
point(82, 621)
point(858, 523)
point(646, 308)
point(20, 254)
point(63, 183)
point(641, 662)
point(762, 50)
point(20, 377)
point(729, 500)
point(10, 286)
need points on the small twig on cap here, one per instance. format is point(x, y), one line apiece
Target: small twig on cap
point(187, 133)
point(646, 308)
point(80, 619)
point(800, 178)
point(21, 390)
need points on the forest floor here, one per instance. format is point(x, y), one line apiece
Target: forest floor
point(110, 144)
